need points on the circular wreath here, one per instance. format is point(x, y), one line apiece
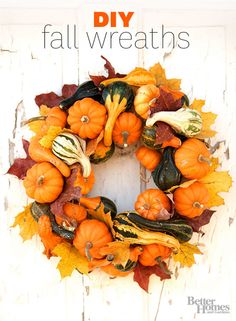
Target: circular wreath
point(83, 127)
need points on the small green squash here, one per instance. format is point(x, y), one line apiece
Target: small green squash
point(166, 173)
point(102, 153)
point(149, 137)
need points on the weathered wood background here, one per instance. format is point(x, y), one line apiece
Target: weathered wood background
point(30, 286)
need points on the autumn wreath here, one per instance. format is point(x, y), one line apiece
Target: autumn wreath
point(83, 127)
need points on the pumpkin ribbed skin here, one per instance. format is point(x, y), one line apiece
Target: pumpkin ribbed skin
point(87, 118)
point(56, 117)
point(127, 129)
point(144, 97)
point(149, 158)
point(43, 182)
point(90, 236)
point(193, 159)
point(152, 252)
point(151, 202)
point(191, 201)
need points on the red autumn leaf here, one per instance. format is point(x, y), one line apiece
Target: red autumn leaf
point(197, 222)
point(50, 99)
point(163, 132)
point(167, 101)
point(111, 73)
point(21, 165)
point(143, 273)
point(68, 90)
point(68, 194)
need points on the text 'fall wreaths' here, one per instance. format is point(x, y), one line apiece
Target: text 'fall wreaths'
point(83, 127)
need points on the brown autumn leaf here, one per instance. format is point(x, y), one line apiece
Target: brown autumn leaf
point(197, 222)
point(49, 239)
point(119, 250)
point(208, 119)
point(160, 75)
point(100, 215)
point(51, 99)
point(168, 100)
point(68, 90)
point(111, 73)
point(186, 253)
point(21, 165)
point(164, 132)
point(70, 259)
point(69, 193)
point(142, 274)
point(28, 226)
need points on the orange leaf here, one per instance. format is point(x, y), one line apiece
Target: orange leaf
point(160, 75)
point(208, 119)
point(119, 250)
point(48, 238)
point(28, 226)
point(70, 260)
point(100, 215)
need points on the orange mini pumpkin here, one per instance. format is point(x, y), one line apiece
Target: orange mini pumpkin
point(150, 203)
point(145, 97)
point(56, 117)
point(149, 158)
point(193, 159)
point(113, 271)
point(43, 182)
point(127, 129)
point(85, 183)
point(153, 254)
point(191, 201)
point(87, 118)
point(73, 214)
point(90, 236)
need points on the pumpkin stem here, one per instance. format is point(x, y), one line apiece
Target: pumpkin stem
point(88, 246)
point(152, 103)
point(203, 159)
point(125, 135)
point(110, 257)
point(26, 122)
point(162, 266)
point(198, 205)
point(85, 119)
point(40, 180)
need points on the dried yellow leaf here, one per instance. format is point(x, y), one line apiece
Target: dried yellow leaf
point(70, 260)
point(36, 126)
point(44, 110)
point(28, 226)
point(186, 253)
point(208, 119)
point(160, 75)
point(217, 182)
point(52, 133)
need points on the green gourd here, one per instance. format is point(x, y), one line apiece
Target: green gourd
point(166, 173)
